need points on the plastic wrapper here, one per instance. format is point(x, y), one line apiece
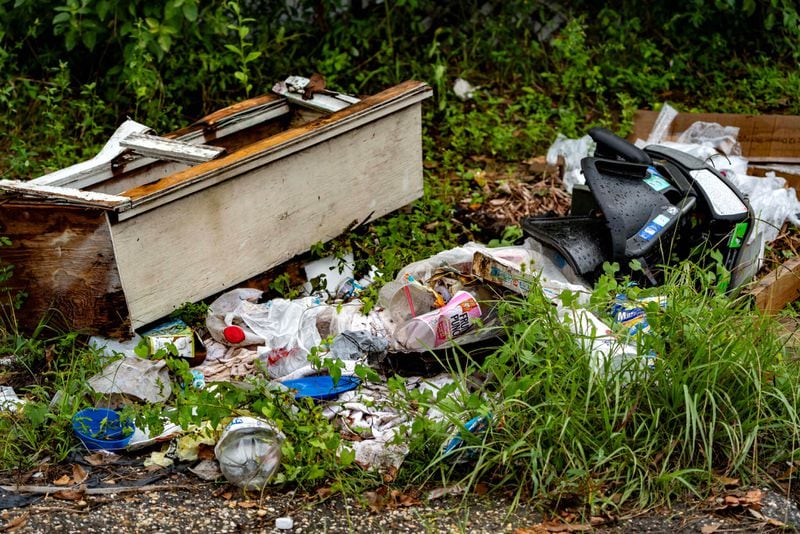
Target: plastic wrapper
point(573, 151)
point(772, 202)
point(721, 138)
point(131, 376)
point(289, 330)
point(661, 126)
point(225, 311)
point(359, 345)
point(463, 89)
point(607, 353)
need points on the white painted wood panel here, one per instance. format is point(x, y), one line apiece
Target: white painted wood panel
point(215, 238)
point(65, 194)
point(153, 146)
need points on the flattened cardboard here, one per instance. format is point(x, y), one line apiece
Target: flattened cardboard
point(763, 138)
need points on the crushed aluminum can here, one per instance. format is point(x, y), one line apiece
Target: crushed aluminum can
point(455, 445)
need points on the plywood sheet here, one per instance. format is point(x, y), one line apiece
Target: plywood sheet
point(64, 260)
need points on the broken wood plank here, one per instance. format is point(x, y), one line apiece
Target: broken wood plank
point(153, 146)
point(281, 145)
point(67, 195)
point(100, 164)
point(112, 160)
point(778, 287)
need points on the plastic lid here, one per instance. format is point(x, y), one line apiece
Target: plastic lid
point(321, 387)
point(233, 334)
point(284, 523)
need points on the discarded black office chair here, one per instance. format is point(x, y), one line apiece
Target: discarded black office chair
point(653, 205)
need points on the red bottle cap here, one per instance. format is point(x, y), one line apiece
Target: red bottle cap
point(233, 334)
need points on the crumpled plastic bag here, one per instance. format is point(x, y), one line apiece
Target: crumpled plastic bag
point(772, 202)
point(463, 89)
point(225, 311)
point(573, 151)
point(359, 345)
point(722, 138)
point(147, 380)
point(289, 331)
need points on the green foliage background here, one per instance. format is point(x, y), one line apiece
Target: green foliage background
point(72, 70)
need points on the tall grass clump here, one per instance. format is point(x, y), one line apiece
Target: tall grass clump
point(719, 401)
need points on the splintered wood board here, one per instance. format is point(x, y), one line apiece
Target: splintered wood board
point(63, 260)
point(214, 238)
point(778, 288)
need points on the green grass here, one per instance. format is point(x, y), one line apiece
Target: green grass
point(721, 402)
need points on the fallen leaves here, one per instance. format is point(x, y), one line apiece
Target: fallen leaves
point(71, 495)
point(16, 523)
point(381, 499)
point(101, 458)
point(566, 522)
point(63, 481)
point(554, 526)
point(749, 499)
point(507, 197)
point(79, 474)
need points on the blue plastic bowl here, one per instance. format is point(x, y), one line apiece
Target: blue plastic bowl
point(102, 429)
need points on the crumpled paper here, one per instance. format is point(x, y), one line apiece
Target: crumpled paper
point(147, 380)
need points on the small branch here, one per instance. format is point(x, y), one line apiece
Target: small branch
point(92, 491)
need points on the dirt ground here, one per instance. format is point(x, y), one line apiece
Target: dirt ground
point(128, 497)
point(179, 502)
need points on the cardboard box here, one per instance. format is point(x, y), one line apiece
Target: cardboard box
point(763, 138)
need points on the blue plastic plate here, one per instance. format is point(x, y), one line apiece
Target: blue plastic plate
point(321, 387)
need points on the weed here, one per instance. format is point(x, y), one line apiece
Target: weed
point(191, 313)
point(719, 402)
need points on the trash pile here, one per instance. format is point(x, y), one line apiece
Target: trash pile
point(628, 203)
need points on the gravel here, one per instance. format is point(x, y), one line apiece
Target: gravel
point(190, 505)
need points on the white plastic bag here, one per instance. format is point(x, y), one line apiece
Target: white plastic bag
point(224, 312)
point(573, 151)
point(772, 202)
point(661, 127)
point(289, 330)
